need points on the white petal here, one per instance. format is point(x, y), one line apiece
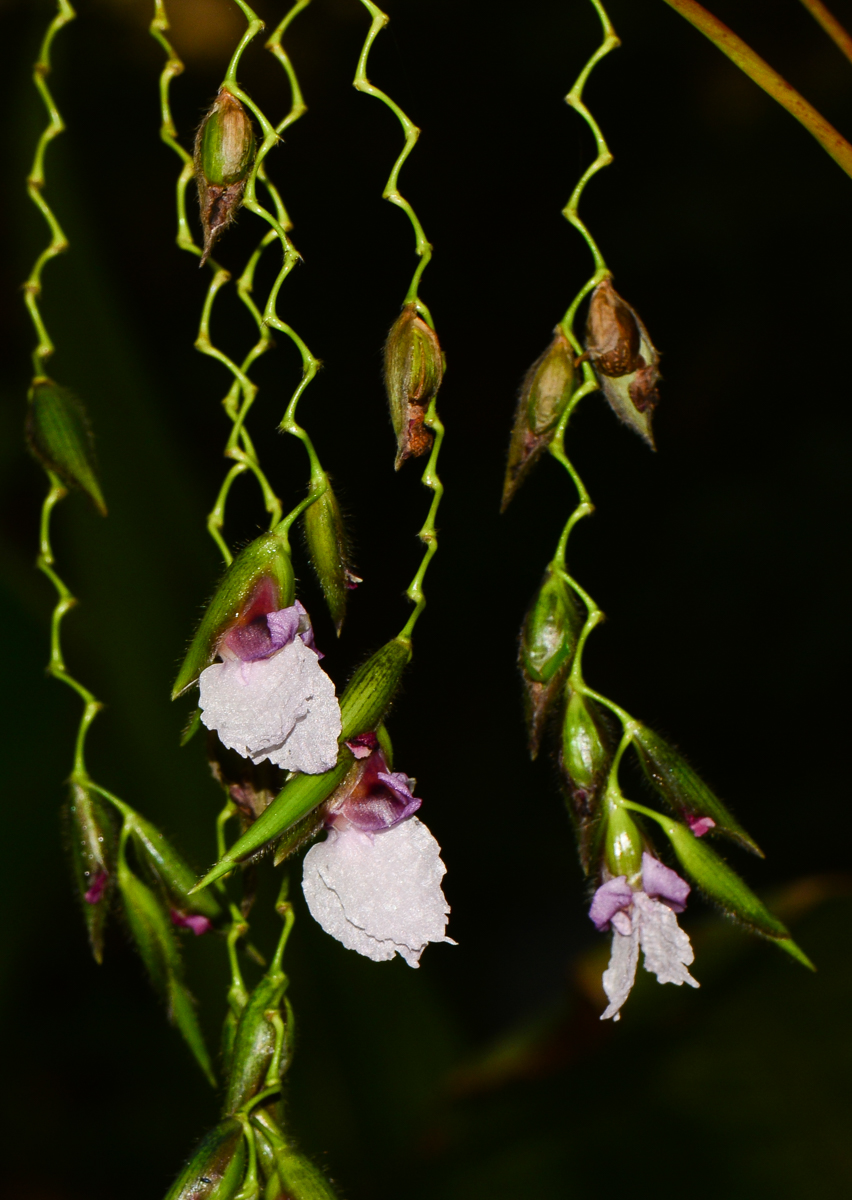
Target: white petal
point(666, 947)
point(282, 708)
point(380, 893)
point(619, 975)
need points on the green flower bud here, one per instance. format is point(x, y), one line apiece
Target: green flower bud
point(329, 551)
point(542, 400)
point(59, 436)
point(254, 1043)
point(362, 706)
point(623, 843)
point(152, 932)
point(414, 368)
point(625, 360)
point(548, 642)
point(584, 759)
point(216, 1169)
point(171, 871)
point(224, 153)
point(258, 581)
point(90, 826)
point(713, 875)
point(684, 791)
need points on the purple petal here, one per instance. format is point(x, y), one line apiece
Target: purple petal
point(610, 898)
point(398, 783)
point(193, 921)
point(660, 881)
point(283, 625)
point(700, 825)
point(96, 888)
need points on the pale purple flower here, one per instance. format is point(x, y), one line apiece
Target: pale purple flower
point(700, 825)
point(269, 697)
point(372, 798)
point(643, 918)
point(193, 921)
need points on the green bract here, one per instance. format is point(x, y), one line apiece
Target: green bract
point(155, 940)
point(414, 369)
point(216, 1168)
point(259, 580)
point(59, 436)
point(91, 840)
point(550, 630)
point(327, 546)
point(542, 400)
point(623, 842)
point(713, 875)
point(253, 1043)
point(171, 871)
point(682, 789)
point(584, 759)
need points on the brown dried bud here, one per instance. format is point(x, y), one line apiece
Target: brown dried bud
point(414, 368)
point(224, 151)
point(544, 394)
point(624, 358)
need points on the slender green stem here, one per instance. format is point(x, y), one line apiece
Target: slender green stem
point(428, 534)
point(758, 70)
point(411, 132)
point(831, 25)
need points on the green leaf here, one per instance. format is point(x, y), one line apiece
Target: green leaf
point(258, 581)
point(722, 884)
point(158, 948)
point(60, 437)
point(684, 791)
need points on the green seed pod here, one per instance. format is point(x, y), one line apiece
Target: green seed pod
point(414, 368)
point(371, 689)
point(713, 875)
point(254, 1043)
point(685, 792)
point(170, 870)
point(151, 929)
point(59, 436)
point(584, 759)
point(542, 400)
point(216, 1169)
point(625, 360)
point(329, 551)
point(548, 641)
point(90, 826)
point(623, 843)
point(224, 153)
point(259, 580)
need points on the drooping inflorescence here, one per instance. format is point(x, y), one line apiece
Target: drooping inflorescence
point(635, 895)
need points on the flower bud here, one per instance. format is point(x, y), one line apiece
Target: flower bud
point(90, 826)
point(59, 436)
point(713, 875)
point(224, 152)
point(584, 758)
point(254, 1043)
point(174, 875)
point(542, 400)
point(151, 929)
point(624, 358)
point(414, 368)
point(216, 1169)
point(623, 843)
point(548, 641)
point(329, 551)
point(371, 689)
point(685, 792)
point(260, 580)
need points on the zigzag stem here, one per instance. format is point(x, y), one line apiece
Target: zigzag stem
point(32, 290)
point(392, 193)
point(423, 248)
point(243, 391)
point(585, 507)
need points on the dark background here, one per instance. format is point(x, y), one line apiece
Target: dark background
point(721, 562)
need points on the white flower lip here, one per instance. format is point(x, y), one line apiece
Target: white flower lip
point(379, 893)
point(282, 708)
point(667, 949)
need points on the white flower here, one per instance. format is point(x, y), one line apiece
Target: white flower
point(379, 893)
point(281, 707)
point(653, 927)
